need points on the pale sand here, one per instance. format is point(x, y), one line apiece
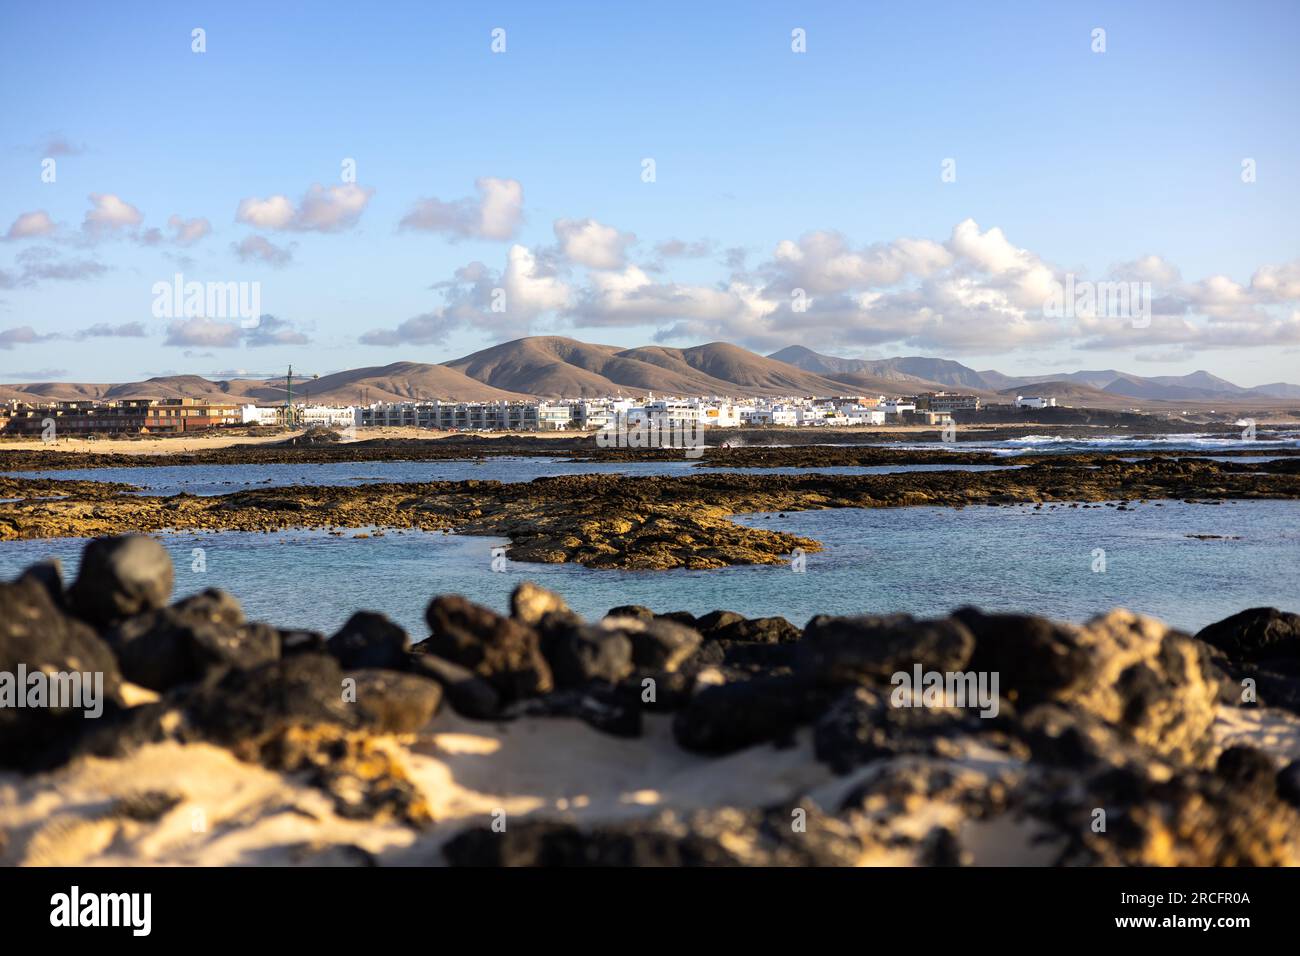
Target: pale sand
point(236, 813)
point(170, 445)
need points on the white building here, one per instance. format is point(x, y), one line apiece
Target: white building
point(1034, 401)
point(896, 406)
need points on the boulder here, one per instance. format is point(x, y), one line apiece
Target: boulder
point(35, 635)
point(1035, 659)
point(725, 718)
point(247, 705)
point(183, 643)
point(392, 702)
point(657, 644)
point(1257, 634)
point(838, 651)
point(370, 640)
point(529, 604)
point(758, 630)
point(503, 651)
point(120, 577)
point(469, 695)
point(584, 653)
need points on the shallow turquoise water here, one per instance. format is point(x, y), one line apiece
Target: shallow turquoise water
point(921, 560)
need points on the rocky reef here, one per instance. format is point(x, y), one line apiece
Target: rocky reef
point(641, 523)
point(538, 737)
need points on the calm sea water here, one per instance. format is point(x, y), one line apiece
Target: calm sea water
point(225, 479)
point(921, 560)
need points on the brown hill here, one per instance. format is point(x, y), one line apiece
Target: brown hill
point(398, 382)
point(1069, 393)
point(558, 367)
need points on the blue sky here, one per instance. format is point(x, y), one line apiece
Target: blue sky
point(522, 171)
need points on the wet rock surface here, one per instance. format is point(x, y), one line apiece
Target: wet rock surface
point(638, 523)
point(1096, 744)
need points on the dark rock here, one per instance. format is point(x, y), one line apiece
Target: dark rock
point(1288, 783)
point(760, 657)
point(49, 574)
point(501, 650)
point(607, 709)
point(657, 644)
point(121, 576)
point(392, 702)
point(862, 726)
point(469, 695)
point(684, 618)
point(194, 637)
point(638, 611)
point(1257, 634)
point(369, 640)
point(302, 642)
point(658, 691)
point(716, 620)
point(301, 690)
point(758, 630)
point(34, 633)
point(722, 719)
point(719, 837)
point(149, 806)
point(1034, 658)
point(857, 650)
point(529, 604)
point(1248, 768)
point(584, 653)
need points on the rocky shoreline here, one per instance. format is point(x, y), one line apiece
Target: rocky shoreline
point(741, 447)
point(643, 738)
point(641, 523)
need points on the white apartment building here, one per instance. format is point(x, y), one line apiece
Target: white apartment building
point(261, 414)
point(329, 416)
point(1034, 401)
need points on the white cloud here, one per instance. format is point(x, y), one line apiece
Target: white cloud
point(186, 232)
point(110, 214)
point(261, 249)
point(31, 225)
point(495, 214)
point(322, 209)
point(592, 244)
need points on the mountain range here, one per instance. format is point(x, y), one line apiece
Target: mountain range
point(558, 367)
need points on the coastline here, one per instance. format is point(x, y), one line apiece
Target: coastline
point(226, 742)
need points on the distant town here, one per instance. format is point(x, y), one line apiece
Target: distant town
point(187, 415)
